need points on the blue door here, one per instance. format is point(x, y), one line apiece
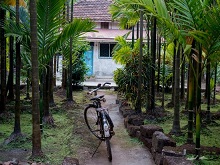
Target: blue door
point(88, 57)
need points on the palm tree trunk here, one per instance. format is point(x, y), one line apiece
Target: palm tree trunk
point(173, 78)
point(208, 90)
point(148, 66)
point(17, 127)
point(3, 64)
point(191, 98)
point(54, 69)
point(51, 83)
point(47, 117)
point(163, 75)
point(36, 133)
point(158, 69)
point(198, 104)
point(70, 88)
point(10, 87)
point(182, 92)
point(139, 103)
point(176, 120)
point(153, 54)
point(64, 70)
point(215, 81)
point(187, 90)
point(28, 84)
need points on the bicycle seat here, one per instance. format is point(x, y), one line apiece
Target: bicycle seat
point(97, 97)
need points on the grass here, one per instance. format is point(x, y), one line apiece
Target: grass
point(66, 138)
point(57, 142)
point(209, 133)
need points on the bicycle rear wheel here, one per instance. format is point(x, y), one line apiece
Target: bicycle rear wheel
point(92, 121)
point(109, 150)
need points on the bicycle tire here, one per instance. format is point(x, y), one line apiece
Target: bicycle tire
point(91, 119)
point(109, 150)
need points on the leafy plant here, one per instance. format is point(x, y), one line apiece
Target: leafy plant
point(127, 78)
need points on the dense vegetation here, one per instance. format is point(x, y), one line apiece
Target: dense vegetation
point(179, 54)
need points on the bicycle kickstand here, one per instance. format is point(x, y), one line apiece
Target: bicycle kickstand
point(97, 148)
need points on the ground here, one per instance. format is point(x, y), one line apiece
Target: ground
point(124, 148)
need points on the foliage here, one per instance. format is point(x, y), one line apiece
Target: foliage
point(79, 71)
point(50, 36)
point(127, 77)
point(79, 67)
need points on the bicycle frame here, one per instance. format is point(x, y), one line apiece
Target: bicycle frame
point(104, 127)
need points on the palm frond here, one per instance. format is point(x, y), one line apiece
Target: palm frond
point(49, 21)
point(74, 29)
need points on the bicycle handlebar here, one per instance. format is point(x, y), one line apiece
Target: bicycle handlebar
point(98, 87)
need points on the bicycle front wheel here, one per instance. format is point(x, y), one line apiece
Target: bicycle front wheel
point(93, 121)
point(109, 150)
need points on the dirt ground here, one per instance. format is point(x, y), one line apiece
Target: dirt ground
point(125, 150)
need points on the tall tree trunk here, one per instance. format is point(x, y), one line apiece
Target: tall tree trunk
point(191, 97)
point(198, 103)
point(64, 70)
point(173, 78)
point(64, 77)
point(158, 66)
point(51, 83)
point(28, 84)
point(187, 90)
point(153, 54)
point(36, 133)
point(138, 102)
point(215, 81)
point(54, 69)
point(176, 120)
point(163, 75)
point(3, 63)
point(208, 90)
point(10, 84)
point(182, 92)
point(148, 66)
point(47, 117)
point(70, 88)
point(17, 126)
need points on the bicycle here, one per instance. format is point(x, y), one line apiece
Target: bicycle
point(98, 120)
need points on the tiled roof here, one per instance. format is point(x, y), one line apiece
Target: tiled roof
point(97, 10)
point(108, 35)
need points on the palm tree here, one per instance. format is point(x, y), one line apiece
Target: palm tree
point(70, 88)
point(17, 126)
point(36, 133)
point(10, 83)
point(211, 47)
point(176, 121)
point(50, 37)
point(140, 67)
point(3, 62)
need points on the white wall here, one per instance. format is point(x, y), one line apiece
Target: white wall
point(103, 67)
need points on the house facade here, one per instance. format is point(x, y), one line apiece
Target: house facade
point(99, 58)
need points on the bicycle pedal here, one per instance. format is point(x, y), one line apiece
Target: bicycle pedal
point(112, 133)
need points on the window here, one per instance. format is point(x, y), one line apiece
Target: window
point(104, 25)
point(106, 50)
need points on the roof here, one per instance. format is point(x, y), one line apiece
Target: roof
point(97, 10)
point(106, 35)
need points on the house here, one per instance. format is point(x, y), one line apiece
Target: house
point(99, 58)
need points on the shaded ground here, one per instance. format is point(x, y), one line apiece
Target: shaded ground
point(125, 150)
